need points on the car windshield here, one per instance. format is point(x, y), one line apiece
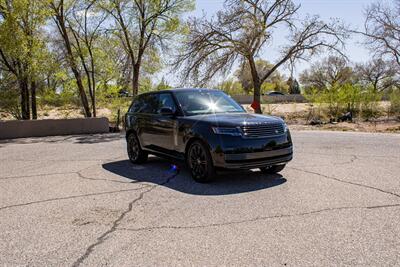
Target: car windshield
point(206, 102)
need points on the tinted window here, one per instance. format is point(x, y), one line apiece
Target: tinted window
point(136, 104)
point(166, 101)
point(147, 103)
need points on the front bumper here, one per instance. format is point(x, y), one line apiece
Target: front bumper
point(255, 159)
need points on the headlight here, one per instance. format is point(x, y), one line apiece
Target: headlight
point(285, 128)
point(227, 131)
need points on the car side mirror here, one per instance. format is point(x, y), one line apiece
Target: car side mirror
point(167, 111)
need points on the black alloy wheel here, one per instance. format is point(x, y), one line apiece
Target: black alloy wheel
point(135, 153)
point(200, 163)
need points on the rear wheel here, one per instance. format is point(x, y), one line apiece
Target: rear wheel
point(200, 162)
point(273, 169)
point(135, 152)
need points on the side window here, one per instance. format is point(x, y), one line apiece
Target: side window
point(166, 101)
point(136, 104)
point(152, 103)
point(149, 104)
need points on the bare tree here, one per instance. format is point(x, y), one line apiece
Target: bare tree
point(378, 73)
point(245, 27)
point(327, 73)
point(382, 30)
point(144, 24)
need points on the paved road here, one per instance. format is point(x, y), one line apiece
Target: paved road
point(77, 201)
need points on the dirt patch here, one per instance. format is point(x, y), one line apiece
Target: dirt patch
point(373, 127)
point(296, 114)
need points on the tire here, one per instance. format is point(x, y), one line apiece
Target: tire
point(135, 153)
point(200, 162)
point(273, 169)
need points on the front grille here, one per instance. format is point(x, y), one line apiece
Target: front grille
point(263, 130)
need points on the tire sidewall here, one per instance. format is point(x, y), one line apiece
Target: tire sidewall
point(142, 155)
point(210, 166)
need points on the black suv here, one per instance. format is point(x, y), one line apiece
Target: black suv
point(208, 130)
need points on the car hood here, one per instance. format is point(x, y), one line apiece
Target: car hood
point(235, 119)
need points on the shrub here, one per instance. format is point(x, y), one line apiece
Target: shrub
point(9, 103)
point(339, 99)
point(232, 87)
point(394, 98)
point(51, 98)
point(370, 103)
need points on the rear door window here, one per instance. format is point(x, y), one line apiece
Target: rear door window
point(165, 100)
point(136, 104)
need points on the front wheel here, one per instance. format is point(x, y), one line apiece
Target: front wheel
point(135, 152)
point(273, 169)
point(200, 162)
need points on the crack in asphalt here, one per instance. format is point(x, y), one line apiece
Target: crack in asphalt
point(360, 156)
point(347, 182)
point(115, 224)
point(79, 173)
point(252, 220)
point(71, 197)
point(35, 175)
point(351, 160)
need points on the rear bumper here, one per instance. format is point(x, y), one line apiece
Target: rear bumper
point(255, 159)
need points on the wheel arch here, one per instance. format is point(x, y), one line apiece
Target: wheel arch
point(194, 139)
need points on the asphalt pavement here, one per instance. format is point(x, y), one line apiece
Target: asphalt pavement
point(77, 201)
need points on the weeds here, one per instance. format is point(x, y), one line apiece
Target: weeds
point(340, 99)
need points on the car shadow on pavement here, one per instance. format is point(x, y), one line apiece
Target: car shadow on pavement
point(158, 171)
point(98, 138)
point(75, 139)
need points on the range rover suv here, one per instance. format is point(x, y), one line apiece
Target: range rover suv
point(207, 129)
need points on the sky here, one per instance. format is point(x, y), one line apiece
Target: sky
point(351, 12)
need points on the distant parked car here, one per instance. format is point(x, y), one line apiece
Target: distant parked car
point(123, 93)
point(208, 130)
point(274, 93)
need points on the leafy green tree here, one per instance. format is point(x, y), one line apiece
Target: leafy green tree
point(232, 87)
point(274, 82)
point(22, 49)
point(163, 85)
point(59, 11)
point(294, 86)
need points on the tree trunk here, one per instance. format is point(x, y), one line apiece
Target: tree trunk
point(94, 103)
point(135, 78)
point(375, 85)
point(93, 83)
point(33, 100)
point(71, 60)
point(81, 89)
point(257, 98)
point(256, 85)
point(25, 110)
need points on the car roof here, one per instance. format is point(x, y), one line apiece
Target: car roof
point(181, 90)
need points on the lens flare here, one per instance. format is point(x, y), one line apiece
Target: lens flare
point(212, 106)
point(173, 168)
